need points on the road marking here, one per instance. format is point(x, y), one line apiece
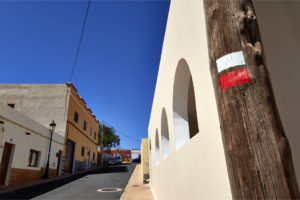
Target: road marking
point(110, 190)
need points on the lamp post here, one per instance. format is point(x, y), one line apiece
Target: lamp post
point(52, 128)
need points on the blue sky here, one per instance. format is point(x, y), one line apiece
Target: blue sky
point(118, 61)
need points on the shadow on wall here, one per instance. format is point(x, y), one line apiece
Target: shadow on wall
point(184, 105)
point(157, 151)
point(282, 50)
point(165, 142)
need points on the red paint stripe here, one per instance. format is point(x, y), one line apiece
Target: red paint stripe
point(234, 78)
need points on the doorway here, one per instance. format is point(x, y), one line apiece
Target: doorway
point(89, 160)
point(58, 162)
point(69, 156)
point(4, 166)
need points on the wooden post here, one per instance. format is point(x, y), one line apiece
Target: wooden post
point(257, 151)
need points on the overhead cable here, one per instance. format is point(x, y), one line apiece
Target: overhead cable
point(79, 43)
point(125, 135)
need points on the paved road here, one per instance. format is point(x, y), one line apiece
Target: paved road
point(83, 186)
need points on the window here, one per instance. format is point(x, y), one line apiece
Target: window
point(76, 117)
point(84, 125)
point(12, 105)
point(184, 105)
point(94, 156)
point(165, 144)
point(82, 151)
point(33, 158)
point(91, 132)
point(95, 136)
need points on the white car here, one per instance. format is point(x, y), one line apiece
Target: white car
point(115, 160)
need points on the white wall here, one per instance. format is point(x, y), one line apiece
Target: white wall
point(15, 127)
point(135, 153)
point(197, 169)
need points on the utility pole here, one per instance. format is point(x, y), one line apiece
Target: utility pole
point(102, 124)
point(257, 151)
point(102, 134)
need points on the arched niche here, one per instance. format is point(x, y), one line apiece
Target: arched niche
point(157, 151)
point(165, 143)
point(184, 105)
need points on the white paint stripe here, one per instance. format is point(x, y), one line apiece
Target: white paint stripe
point(230, 60)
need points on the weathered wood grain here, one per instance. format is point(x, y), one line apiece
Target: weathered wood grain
point(257, 151)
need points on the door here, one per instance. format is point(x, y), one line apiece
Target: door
point(69, 156)
point(58, 163)
point(89, 160)
point(5, 162)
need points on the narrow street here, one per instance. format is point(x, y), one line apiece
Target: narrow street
point(84, 186)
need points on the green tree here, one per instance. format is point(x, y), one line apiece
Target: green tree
point(110, 139)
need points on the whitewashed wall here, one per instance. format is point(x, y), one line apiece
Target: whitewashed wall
point(15, 127)
point(196, 169)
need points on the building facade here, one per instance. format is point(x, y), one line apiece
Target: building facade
point(187, 159)
point(82, 135)
point(145, 172)
point(24, 145)
point(61, 103)
point(135, 154)
point(124, 153)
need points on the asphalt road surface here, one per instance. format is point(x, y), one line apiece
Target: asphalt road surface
point(83, 187)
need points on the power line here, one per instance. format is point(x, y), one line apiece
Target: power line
point(79, 43)
point(125, 135)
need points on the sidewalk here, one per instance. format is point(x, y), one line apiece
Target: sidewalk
point(136, 189)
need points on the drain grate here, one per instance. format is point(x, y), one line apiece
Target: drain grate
point(110, 190)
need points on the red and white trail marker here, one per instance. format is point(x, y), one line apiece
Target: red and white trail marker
point(234, 76)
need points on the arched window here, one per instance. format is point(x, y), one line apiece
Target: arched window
point(165, 143)
point(184, 105)
point(157, 153)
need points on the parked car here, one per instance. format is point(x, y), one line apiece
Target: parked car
point(112, 161)
point(115, 160)
point(119, 159)
point(137, 160)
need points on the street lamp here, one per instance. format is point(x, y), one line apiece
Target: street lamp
point(52, 128)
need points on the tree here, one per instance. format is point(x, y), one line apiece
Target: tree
point(110, 139)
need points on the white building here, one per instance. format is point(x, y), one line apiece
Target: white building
point(187, 159)
point(135, 154)
point(24, 145)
